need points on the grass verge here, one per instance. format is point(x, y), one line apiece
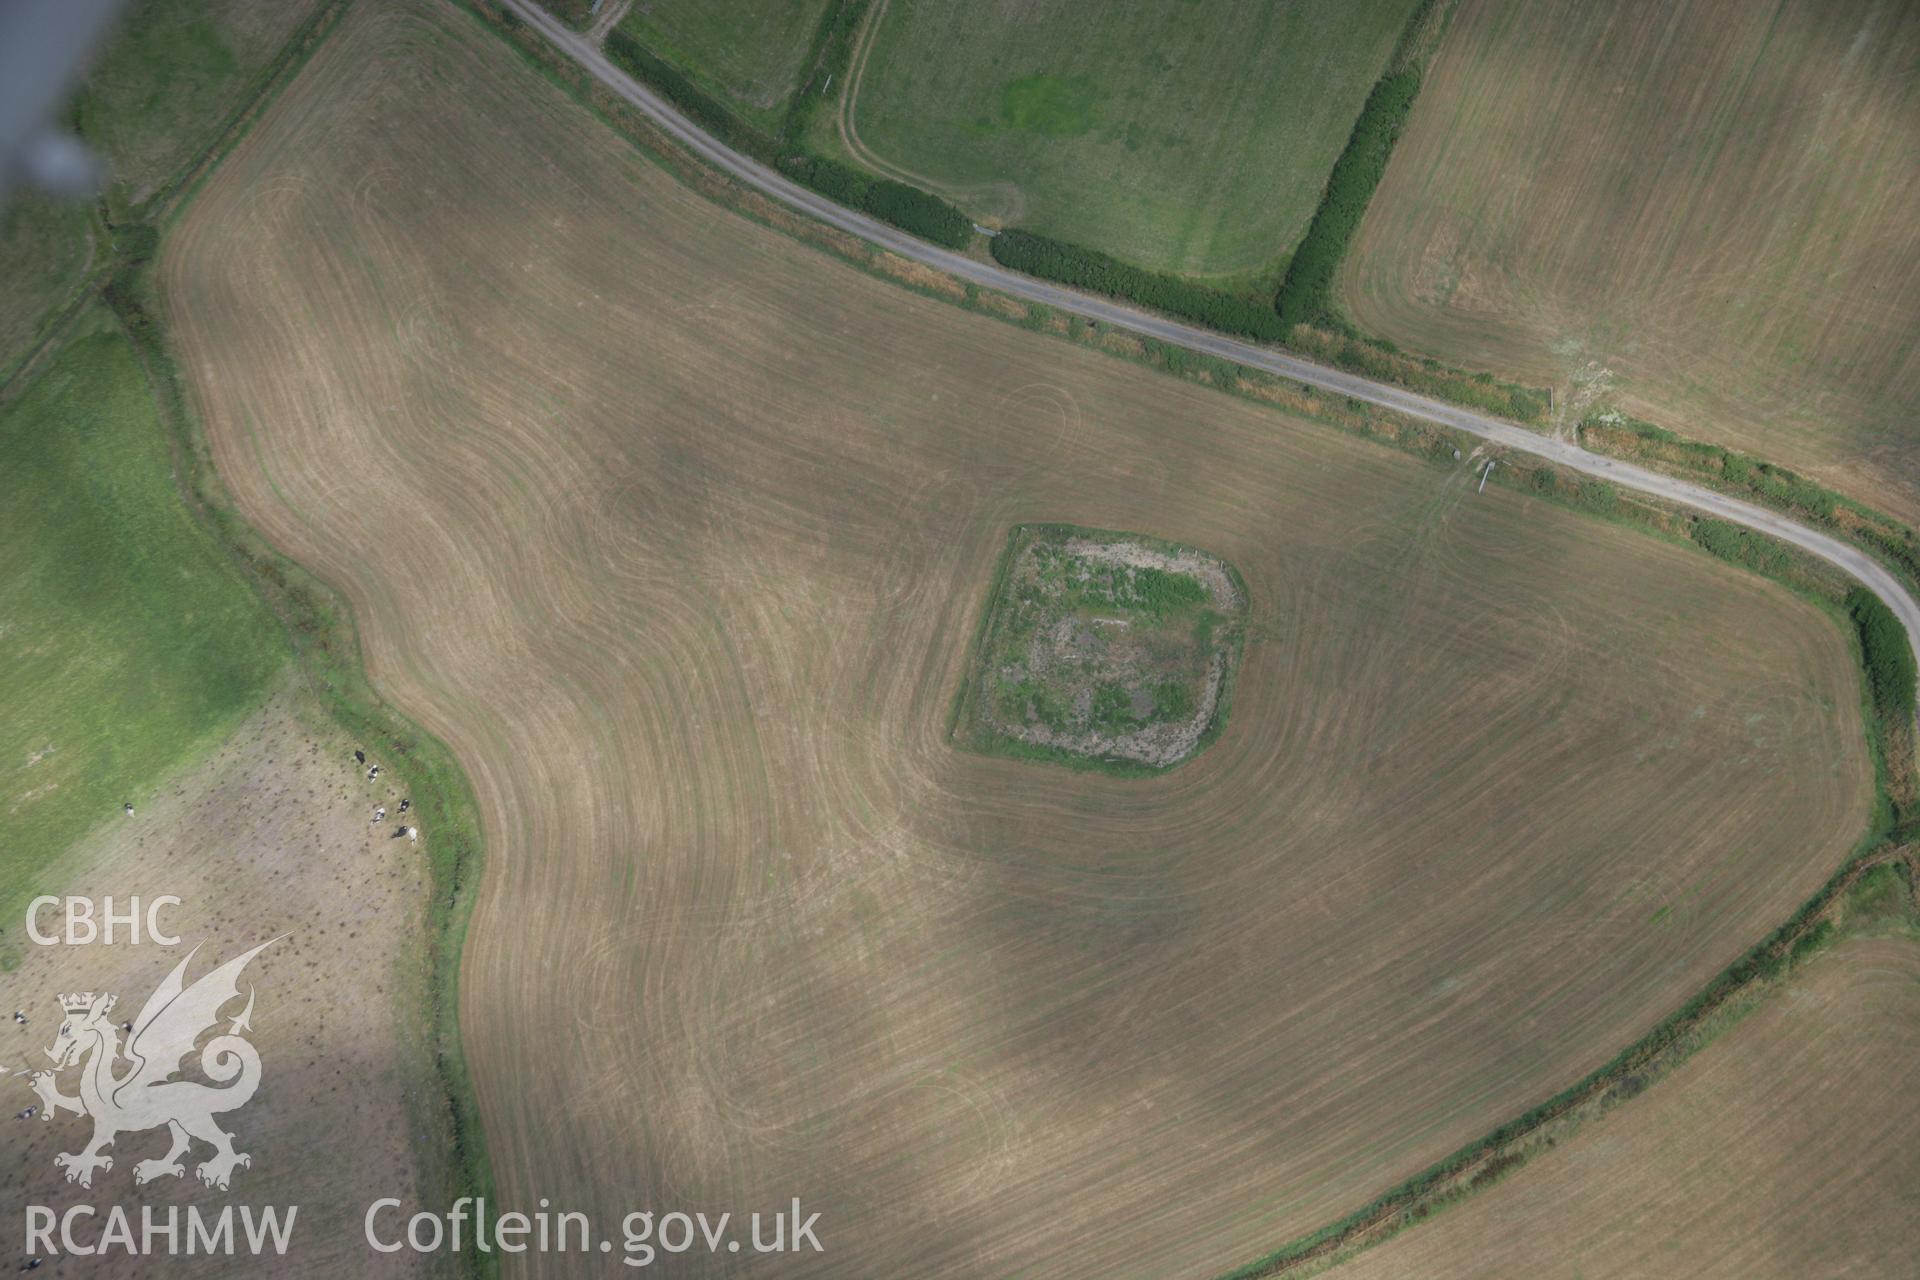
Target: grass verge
point(326, 646)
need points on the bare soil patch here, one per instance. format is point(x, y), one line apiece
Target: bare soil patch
point(268, 835)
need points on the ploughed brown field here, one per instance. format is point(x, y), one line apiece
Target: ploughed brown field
point(1699, 212)
point(678, 531)
point(1789, 1148)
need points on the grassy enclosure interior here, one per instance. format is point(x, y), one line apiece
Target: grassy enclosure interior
point(1107, 649)
point(1701, 212)
point(675, 532)
point(1193, 138)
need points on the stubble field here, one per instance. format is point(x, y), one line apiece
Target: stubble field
point(676, 532)
point(1700, 212)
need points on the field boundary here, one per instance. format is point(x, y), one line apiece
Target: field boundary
point(321, 631)
point(1305, 296)
point(1729, 471)
point(325, 641)
point(1642, 1064)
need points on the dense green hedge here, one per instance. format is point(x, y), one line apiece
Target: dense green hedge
point(1050, 259)
point(1887, 655)
point(1306, 295)
point(694, 102)
point(1740, 546)
point(909, 208)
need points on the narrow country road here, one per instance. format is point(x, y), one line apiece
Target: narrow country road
point(1562, 453)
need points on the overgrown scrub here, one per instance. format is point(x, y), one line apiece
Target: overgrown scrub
point(1101, 650)
point(1306, 294)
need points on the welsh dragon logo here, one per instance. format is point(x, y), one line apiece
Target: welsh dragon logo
point(146, 1094)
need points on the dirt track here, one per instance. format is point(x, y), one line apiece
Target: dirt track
point(676, 533)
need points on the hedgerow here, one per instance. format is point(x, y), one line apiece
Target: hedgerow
point(1305, 296)
point(1738, 546)
point(830, 54)
point(909, 208)
point(1775, 486)
point(1050, 259)
point(1886, 653)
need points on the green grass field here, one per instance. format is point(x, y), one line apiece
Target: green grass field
point(160, 91)
point(127, 642)
point(747, 53)
point(170, 77)
point(43, 256)
point(1192, 137)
